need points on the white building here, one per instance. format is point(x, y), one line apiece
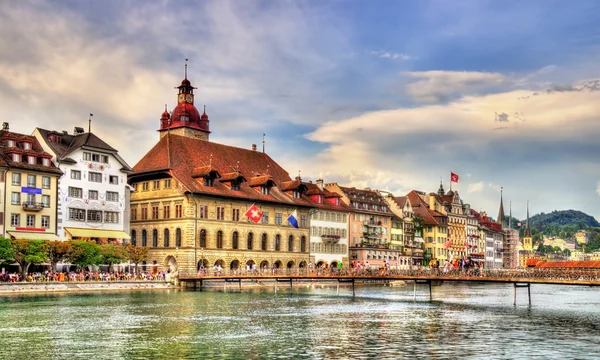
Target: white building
point(93, 195)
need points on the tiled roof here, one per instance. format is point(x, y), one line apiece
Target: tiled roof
point(232, 176)
point(180, 155)
point(203, 171)
point(366, 196)
point(420, 208)
point(400, 201)
point(314, 189)
point(36, 149)
point(566, 264)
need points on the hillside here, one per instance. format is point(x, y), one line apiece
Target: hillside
point(562, 218)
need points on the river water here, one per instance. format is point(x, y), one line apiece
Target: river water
point(309, 322)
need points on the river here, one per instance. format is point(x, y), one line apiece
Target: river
point(463, 321)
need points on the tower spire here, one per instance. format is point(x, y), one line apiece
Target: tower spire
point(186, 61)
point(501, 209)
point(263, 142)
point(527, 232)
point(510, 215)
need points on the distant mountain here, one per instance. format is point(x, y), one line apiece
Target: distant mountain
point(572, 218)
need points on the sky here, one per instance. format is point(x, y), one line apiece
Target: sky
point(391, 95)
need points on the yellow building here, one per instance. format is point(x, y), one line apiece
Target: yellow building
point(191, 196)
point(581, 237)
point(30, 188)
point(457, 221)
point(435, 225)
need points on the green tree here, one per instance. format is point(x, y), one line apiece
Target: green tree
point(85, 253)
point(7, 254)
point(567, 252)
point(27, 252)
point(113, 254)
point(59, 251)
point(137, 254)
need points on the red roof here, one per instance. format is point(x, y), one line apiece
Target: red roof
point(36, 151)
point(567, 264)
point(421, 208)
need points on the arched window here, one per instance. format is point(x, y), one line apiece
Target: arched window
point(291, 243)
point(203, 238)
point(303, 244)
point(144, 238)
point(133, 237)
point(234, 240)
point(178, 237)
point(263, 242)
point(166, 239)
point(219, 239)
point(154, 238)
point(277, 242)
point(250, 241)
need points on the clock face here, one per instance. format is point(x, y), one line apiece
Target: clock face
point(189, 98)
point(181, 98)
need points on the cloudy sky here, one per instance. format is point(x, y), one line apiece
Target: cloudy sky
point(392, 95)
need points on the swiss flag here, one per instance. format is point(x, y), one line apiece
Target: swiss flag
point(453, 177)
point(447, 244)
point(254, 214)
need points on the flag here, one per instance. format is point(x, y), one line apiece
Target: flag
point(519, 224)
point(254, 214)
point(448, 244)
point(293, 219)
point(453, 177)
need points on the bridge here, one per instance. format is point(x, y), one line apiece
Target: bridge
point(516, 278)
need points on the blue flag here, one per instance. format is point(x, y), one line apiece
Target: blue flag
point(293, 219)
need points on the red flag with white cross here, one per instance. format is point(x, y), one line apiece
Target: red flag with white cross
point(453, 177)
point(254, 214)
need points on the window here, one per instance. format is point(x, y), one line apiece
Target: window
point(154, 212)
point(166, 239)
point(95, 177)
point(144, 213)
point(94, 216)
point(249, 241)
point(75, 192)
point(31, 180)
point(219, 239)
point(235, 214)
point(156, 185)
point(15, 219)
point(203, 212)
point(291, 243)
point(93, 194)
point(87, 156)
point(278, 217)
point(265, 218)
point(104, 159)
point(296, 194)
point(134, 214)
point(208, 181)
point(235, 186)
point(133, 238)
point(220, 213)
point(303, 244)
point(16, 179)
point(45, 222)
point(154, 238)
point(11, 143)
point(303, 221)
point(277, 242)
point(76, 174)
point(30, 220)
point(235, 240)
point(113, 179)
point(16, 157)
point(144, 238)
point(167, 183)
point(264, 190)
point(45, 182)
point(15, 198)
point(203, 238)
point(111, 217)
point(76, 214)
point(166, 212)
point(178, 237)
point(263, 242)
point(178, 210)
point(145, 186)
point(112, 196)
point(96, 157)
point(46, 201)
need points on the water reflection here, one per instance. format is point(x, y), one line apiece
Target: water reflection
point(465, 320)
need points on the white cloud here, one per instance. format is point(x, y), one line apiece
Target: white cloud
point(598, 188)
point(384, 54)
point(436, 86)
point(476, 187)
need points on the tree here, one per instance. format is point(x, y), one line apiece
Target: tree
point(137, 254)
point(113, 254)
point(59, 251)
point(85, 253)
point(27, 252)
point(567, 252)
point(7, 253)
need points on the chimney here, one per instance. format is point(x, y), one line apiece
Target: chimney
point(78, 130)
point(5, 126)
point(65, 132)
point(253, 147)
point(319, 183)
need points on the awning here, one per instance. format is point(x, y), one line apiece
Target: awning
point(419, 239)
point(32, 235)
point(97, 233)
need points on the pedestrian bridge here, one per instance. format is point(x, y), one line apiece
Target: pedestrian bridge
point(519, 279)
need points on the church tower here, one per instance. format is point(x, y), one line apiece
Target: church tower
point(500, 220)
point(185, 119)
point(527, 239)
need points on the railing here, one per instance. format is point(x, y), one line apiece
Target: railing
point(33, 206)
point(372, 223)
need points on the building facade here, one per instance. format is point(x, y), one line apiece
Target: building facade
point(29, 180)
point(457, 222)
point(412, 245)
point(93, 194)
point(434, 221)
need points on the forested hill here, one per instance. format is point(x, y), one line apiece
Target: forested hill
point(574, 218)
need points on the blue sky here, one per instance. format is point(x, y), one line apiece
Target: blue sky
point(391, 95)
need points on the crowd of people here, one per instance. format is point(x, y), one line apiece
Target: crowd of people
point(48, 276)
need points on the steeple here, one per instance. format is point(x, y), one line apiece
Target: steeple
point(441, 189)
point(500, 219)
point(527, 232)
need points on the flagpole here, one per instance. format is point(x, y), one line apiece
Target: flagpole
point(451, 181)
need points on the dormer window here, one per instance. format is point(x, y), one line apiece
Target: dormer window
point(16, 157)
point(337, 201)
point(11, 143)
point(26, 145)
point(235, 186)
point(296, 194)
point(184, 118)
point(265, 189)
point(31, 160)
point(46, 162)
point(320, 199)
point(208, 181)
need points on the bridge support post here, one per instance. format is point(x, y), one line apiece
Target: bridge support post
point(529, 292)
point(528, 286)
point(275, 286)
point(415, 290)
point(353, 293)
point(430, 295)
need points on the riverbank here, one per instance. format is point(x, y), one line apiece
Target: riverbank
point(87, 286)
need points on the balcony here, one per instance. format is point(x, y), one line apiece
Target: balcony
point(331, 239)
point(372, 235)
point(33, 206)
point(373, 224)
